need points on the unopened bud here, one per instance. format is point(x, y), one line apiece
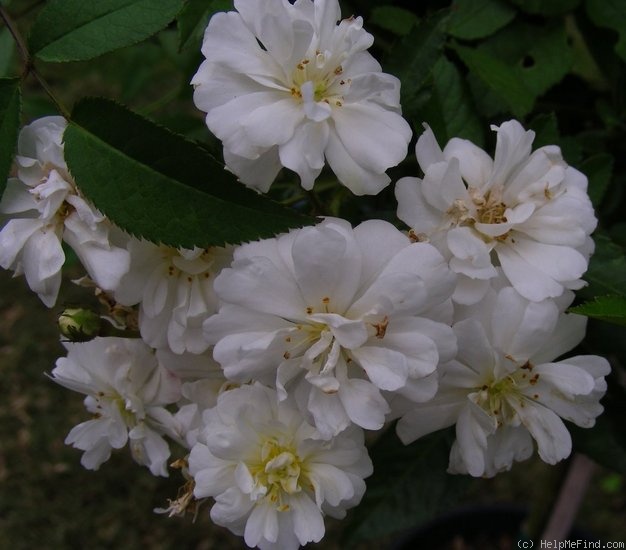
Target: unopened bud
point(79, 325)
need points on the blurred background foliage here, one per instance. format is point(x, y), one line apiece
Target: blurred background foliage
point(558, 66)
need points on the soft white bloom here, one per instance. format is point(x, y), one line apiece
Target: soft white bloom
point(272, 478)
point(504, 388)
point(185, 423)
point(337, 316)
point(203, 380)
point(526, 212)
point(284, 85)
point(174, 288)
point(126, 391)
point(45, 208)
point(192, 366)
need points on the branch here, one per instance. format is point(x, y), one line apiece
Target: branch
point(29, 67)
point(21, 45)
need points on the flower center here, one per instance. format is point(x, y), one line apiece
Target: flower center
point(323, 352)
point(116, 401)
point(188, 264)
point(491, 213)
point(494, 397)
point(64, 211)
point(488, 209)
point(324, 72)
point(322, 343)
point(277, 474)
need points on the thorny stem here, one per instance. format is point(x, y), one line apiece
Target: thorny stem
point(29, 67)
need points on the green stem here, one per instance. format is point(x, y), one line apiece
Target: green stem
point(29, 67)
point(62, 109)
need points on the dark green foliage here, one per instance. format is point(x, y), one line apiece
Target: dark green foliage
point(611, 14)
point(557, 65)
point(10, 105)
point(396, 20)
point(599, 170)
point(413, 58)
point(71, 30)
point(541, 7)
point(157, 185)
point(539, 54)
point(605, 443)
point(500, 78)
point(471, 19)
point(193, 19)
point(606, 308)
point(450, 111)
point(409, 485)
point(607, 269)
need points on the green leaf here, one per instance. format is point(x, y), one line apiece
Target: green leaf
point(393, 19)
point(599, 170)
point(7, 49)
point(450, 111)
point(409, 485)
point(610, 14)
point(472, 19)
point(412, 60)
point(618, 233)
point(155, 184)
point(10, 107)
point(546, 7)
point(584, 66)
point(500, 77)
point(488, 104)
point(194, 17)
point(546, 129)
point(72, 30)
point(540, 55)
point(607, 269)
point(611, 309)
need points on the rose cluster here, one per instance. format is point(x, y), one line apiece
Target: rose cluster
point(266, 362)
